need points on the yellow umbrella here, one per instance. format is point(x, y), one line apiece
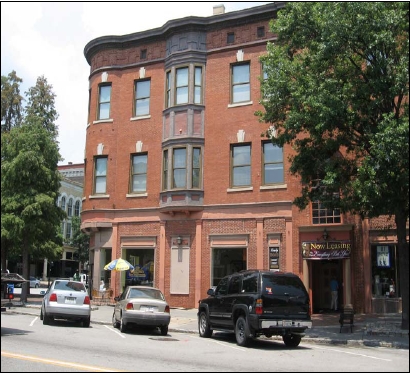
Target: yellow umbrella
point(119, 264)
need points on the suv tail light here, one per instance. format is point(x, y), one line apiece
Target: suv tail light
point(53, 297)
point(87, 300)
point(129, 306)
point(167, 310)
point(258, 307)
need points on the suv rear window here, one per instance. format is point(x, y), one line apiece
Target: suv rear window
point(250, 283)
point(280, 285)
point(235, 285)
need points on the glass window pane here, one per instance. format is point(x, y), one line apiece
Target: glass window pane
point(272, 153)
point(197, 95)
point(241, 74)
point(198, 76)
point(195, 178)
point(142, 107)
point(273, 173)
point(196, 158)
point(182, 77)
point(241, 93)
point(140, 164)
point(182, 95)
point(179, 178)
point(143, 89)
point(101, 166)
point(104, 111)
point(180, 158)
point(242, 155)
point(242, 176)
point(100, 185)
point(105, 93)
point(139, 183)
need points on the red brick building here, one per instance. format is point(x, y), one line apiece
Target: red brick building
point(179, 181)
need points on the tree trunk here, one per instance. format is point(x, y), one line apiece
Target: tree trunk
point(403, 245)
point(25, 289)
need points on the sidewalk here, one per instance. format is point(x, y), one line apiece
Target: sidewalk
point(372, 330)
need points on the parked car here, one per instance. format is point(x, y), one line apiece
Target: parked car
point(34, 282)
point(68, 300)
point(141, 306)
point(252, 303)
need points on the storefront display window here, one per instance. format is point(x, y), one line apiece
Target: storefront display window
point(385, 269)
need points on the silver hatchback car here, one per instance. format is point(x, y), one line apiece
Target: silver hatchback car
point(66, 299)
point(141, 306)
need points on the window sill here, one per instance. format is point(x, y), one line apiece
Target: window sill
point(240, 189)
point(140, 117)
point(136, 195)
point(99, 196)
point(240, 104)
point(274, 187)
point(110, 120)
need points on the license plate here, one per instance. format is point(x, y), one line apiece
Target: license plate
point(287, 323)
point(146, 308)
point(70, 300)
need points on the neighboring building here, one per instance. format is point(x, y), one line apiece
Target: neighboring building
point(179, 181)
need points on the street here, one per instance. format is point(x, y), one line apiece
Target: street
point(28, 345)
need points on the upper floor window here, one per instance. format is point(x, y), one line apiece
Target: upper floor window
point(241, 165)
point(230, 37)
point(77, 208)
point(179, 168)
point(240, 90)
point(139, 173)
point(198, 85)
point(63, 203)
point(68, 230)
point(104, 100)
point(168, 90)
point(143, 54)
point(100, 175)
point(165, 170)
point(260, 31)
point(322, 215)
point(272, 163)
point(181, 86)
point(196, 168)
point(142, 97)
point(70, 207)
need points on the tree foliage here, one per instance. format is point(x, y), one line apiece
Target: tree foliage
point(337, 92)
point(11, 102)
point(30, 183)
point(80, 240)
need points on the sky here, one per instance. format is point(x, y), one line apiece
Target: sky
point(48, 38)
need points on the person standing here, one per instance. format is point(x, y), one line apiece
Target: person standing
point(334, 288)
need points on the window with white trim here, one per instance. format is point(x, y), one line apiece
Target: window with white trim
point(139, 173)
point(142, 97)
point(272, 163)
point(100, 175)
point(241, 165)
point(104, 101)
point(240, 83)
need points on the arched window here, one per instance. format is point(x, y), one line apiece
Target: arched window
point(77, 208)
point(63, 203)
point(70, 207)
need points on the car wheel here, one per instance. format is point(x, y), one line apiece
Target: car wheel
point(115, 323)
point(291, 340)
point(241, 336)
point(164, 330)
point(46, 319)
point(123, 326)
point(41, 314)
point(86, 322)
point(203, 326)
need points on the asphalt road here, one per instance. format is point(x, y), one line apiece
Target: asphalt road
point(29, 346)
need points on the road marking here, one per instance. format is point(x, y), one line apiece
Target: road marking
point(32, 322)
point(58, 363)
point(117, 332)
point(220, 343)
point(352, 353)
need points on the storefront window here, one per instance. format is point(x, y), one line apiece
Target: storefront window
point(385, 270)
point(227, 261)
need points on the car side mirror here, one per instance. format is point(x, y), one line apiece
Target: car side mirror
point(211, 292)
point(116, 298)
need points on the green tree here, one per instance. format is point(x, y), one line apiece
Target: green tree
point(80, 240)
point(11, 102)
point(337, 91)
point(40, 105)
point(30, 182)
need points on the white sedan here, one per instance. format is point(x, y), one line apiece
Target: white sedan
point(35, 283)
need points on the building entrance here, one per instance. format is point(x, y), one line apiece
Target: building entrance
point(322, 272)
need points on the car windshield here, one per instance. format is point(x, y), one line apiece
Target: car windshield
point(145, 293)
point(69, 286)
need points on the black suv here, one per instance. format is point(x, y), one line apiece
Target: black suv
point(257, 302)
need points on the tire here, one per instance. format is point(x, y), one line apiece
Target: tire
point(164, 330)
point(123, 326)
point(46, 319)
point(86, 322)
point(41, 314)
point(203, 326)
point(115, 323)
point(291, 340)
point(241, 332)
